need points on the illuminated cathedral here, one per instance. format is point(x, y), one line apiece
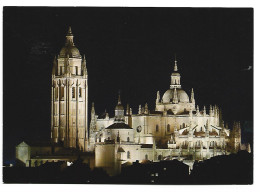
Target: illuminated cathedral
point(176, 129)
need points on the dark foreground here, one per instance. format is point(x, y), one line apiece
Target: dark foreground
point(229, 169)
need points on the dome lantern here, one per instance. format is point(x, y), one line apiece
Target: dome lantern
point(69, 48)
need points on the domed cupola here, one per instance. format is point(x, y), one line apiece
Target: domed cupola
point(182, 96)
point(69, 48)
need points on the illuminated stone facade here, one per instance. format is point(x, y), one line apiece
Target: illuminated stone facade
point(69, 101)
point(176, 129)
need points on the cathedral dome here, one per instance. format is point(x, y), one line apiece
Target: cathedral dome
point(182, 96)
point(70, 50)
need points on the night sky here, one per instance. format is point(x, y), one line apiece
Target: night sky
point(127, 49)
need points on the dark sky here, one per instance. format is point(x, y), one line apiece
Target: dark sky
point(127, 49)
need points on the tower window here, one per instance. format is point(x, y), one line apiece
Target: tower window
point(80, 92)
point(168, 128)
point(128, 155)
point(61, 92)
point(73, 92)
point(146, 157)
point(76, 68)
point(157, 128)
point(60, 70)
point(128, 139)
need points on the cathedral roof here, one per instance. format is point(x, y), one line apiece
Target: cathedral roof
point(69, 49)
point(119, 126)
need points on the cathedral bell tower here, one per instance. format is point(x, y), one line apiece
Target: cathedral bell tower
point(69, 103)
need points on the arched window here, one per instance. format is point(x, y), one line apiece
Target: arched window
point(146, 157)
point(99, 139)
point(73, 92)
point(160, 157)
point(128, 139)
point(76, 70)
point(168, 128)
point(183, 125)
point(80, 92)
point(128, 154)
point(108, 138)
point(157, 128)
point(61, 93)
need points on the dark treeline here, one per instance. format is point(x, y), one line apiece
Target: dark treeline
point(226, 169)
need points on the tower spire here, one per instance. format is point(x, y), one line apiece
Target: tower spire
point(175, 64)
point(119, 99)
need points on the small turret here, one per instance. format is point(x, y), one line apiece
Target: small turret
point(158, 97)
point(192, 100)
point(127, 109)
point(146, 109)
point(140, 109)
point(197, 110)
point(204, 111)
point(93, 111)
point(210, 111)
point(84, 67)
